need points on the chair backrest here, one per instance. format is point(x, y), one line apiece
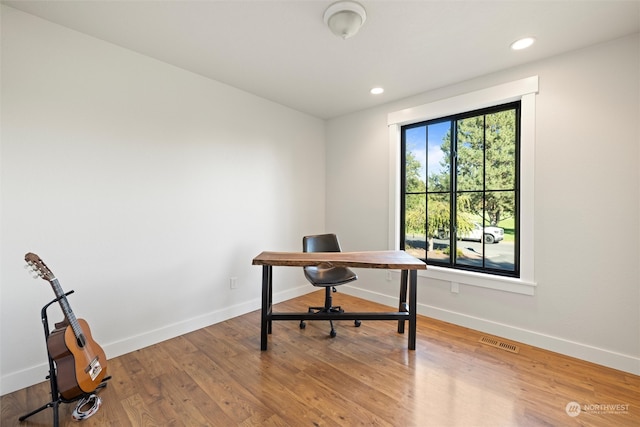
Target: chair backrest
point(322, 275)
point(321, 243)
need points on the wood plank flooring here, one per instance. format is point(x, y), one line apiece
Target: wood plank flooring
point(217, 376)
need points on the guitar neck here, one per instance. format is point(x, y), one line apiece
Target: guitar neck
point(66, 309)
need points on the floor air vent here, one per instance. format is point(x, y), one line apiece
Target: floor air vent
point(499, 344)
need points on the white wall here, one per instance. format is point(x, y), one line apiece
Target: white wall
point(587, 208)
point(144, 188)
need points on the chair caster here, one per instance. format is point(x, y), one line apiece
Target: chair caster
point(333, 333)
point(357, 323)
point(302, 324)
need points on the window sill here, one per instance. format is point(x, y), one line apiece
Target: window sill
point(456, 277)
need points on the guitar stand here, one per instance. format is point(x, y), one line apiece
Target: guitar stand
point(56, 397)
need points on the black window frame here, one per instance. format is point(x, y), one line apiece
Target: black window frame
point(453, 191)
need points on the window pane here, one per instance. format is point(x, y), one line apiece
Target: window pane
point(501, 150)
point(415, 159)
point(438, 221)
point(481, 244)
point(499, 206)
point(470, 147)
point(501, 254)
point(415, 242)
point(469, 233)
point(439, 156)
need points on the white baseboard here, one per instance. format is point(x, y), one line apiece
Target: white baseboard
point(36, 374)
point(578, 350)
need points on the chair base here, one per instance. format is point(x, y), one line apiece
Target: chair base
point(328, 308)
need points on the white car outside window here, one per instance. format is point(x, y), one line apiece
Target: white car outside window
point(491, 234)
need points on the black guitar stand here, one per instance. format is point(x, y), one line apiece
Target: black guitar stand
point(56, 397)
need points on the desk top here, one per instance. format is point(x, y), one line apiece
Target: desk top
point(371, 259)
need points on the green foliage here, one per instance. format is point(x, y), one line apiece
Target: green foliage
point(413, 182)
point(415, 214)
point(439, 214)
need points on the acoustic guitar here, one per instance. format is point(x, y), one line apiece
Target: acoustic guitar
point(81, 364)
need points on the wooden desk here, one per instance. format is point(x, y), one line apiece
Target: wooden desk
point(395, 260)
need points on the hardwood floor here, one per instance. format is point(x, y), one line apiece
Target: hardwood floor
point(217, 376)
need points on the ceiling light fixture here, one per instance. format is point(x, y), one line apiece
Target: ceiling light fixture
point(344, 18)
point(523, 43)
point(377, 90)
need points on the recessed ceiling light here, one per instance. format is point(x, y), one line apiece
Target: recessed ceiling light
point(377, 90)
point(522, 43)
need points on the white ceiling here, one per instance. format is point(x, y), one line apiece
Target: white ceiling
point(282, 51)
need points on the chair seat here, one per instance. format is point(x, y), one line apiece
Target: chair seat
point(333, 276)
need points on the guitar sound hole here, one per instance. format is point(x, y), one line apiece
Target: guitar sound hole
point(81, 341)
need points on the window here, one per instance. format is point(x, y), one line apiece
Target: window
point(523, 91)
point(459, 190)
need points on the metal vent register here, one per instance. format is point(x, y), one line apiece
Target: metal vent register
point(512, 348)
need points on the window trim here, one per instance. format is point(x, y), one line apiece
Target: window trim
point(523, 90)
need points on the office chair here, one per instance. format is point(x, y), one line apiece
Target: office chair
point(327, 277)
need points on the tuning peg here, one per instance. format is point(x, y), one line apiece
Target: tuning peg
point(35, 274)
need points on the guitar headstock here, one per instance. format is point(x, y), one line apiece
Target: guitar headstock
point(39, 267)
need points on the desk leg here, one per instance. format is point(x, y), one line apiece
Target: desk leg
point(265, 325)
point(402, 307)
point(270, 322)
point(413, 296)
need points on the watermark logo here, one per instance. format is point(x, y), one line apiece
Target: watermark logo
point(573, 409)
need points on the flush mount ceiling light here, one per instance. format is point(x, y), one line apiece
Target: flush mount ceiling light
point(376, 90)
point(523, 43)
point(345, 18)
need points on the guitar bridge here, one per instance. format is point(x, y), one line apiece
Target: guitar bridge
point(94, 369)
